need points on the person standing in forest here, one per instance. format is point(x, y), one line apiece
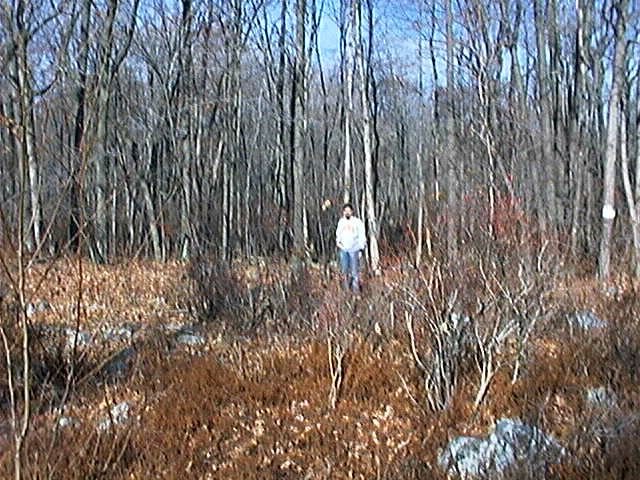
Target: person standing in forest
point(351, 240)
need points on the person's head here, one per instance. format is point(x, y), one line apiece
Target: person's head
point(347, 210)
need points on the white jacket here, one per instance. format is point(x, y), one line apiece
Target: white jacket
point(350, 235)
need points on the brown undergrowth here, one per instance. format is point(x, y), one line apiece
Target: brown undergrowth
point(254, 402)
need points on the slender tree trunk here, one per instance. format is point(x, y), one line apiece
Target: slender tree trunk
point(635, 113)
point(437, 116)
point(419, 153)
point(231, 136)
point(367, 138)
point(544, 99)
point(226, 210)
point(109, 61)
point(78, 158)
point(577, 120)
point(240, 153)
point(113, 197)
point(99, 140)
point(185, 121)
point(452, 230)
point(148, 199)
point(630, 193)
point(185, 210)
point(420, 194)
point(347, 99)
point(100, 166)
point(153, 224)
point(26, 122)
point(281, 196)
point(298, 125)
point(21, 420)
point(613, 126)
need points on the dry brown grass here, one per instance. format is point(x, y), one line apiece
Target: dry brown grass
point(257, 406)
point(132, 291)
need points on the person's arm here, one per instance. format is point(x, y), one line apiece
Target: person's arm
point(339, 233)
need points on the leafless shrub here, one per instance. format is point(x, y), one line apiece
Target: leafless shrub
point(223, 294)
point(336, 352)
point(515, 298)
point(340, 337)
point(478, 316)
point(449, 346)
point(217, 290)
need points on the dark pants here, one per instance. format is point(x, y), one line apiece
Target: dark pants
point(350, 266)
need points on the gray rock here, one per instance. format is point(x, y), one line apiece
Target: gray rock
point(54, 336)
point(586, 320)
point(118, 415)
point(121, 333)
point(466, 456)
point(511, 444)
point(602, 397)
point(458, 320)
point(174, 327)
point(37, 307)
point(120, 364)
point(64, 422)
point(613, 291)
point(190, 339)
point(79, 338)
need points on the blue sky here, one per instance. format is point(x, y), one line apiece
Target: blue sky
point(391, 28)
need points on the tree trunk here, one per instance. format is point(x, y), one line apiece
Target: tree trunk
point(630, 193)
point(280, 190)
point(544, 89)
point(78, 158)
point(185, 122)
point(577, 120)
point(298, 125)
point(100, 165)
point(367, 137)
point(26, 122)
point(99, 140)
point(451, 218)
point(613, 126)
point(347, 99)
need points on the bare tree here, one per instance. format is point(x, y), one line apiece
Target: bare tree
point(451, 157)
point(631, 174)
point(542, 12)
point(346, 68)
point(298, 120)
point(362, 60)
point(19, 19)
point(613, 139)
point(110, 59)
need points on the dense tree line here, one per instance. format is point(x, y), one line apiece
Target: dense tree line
point(168, 129)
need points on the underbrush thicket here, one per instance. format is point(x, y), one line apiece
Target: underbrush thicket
point(295, 378)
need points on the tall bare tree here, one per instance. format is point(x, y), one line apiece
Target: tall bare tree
point(451, 157)
point(613, 138)
point(298, 120)
point(20, 20)
point(362, 59)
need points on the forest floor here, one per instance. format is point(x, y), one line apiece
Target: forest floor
point(172, 371)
